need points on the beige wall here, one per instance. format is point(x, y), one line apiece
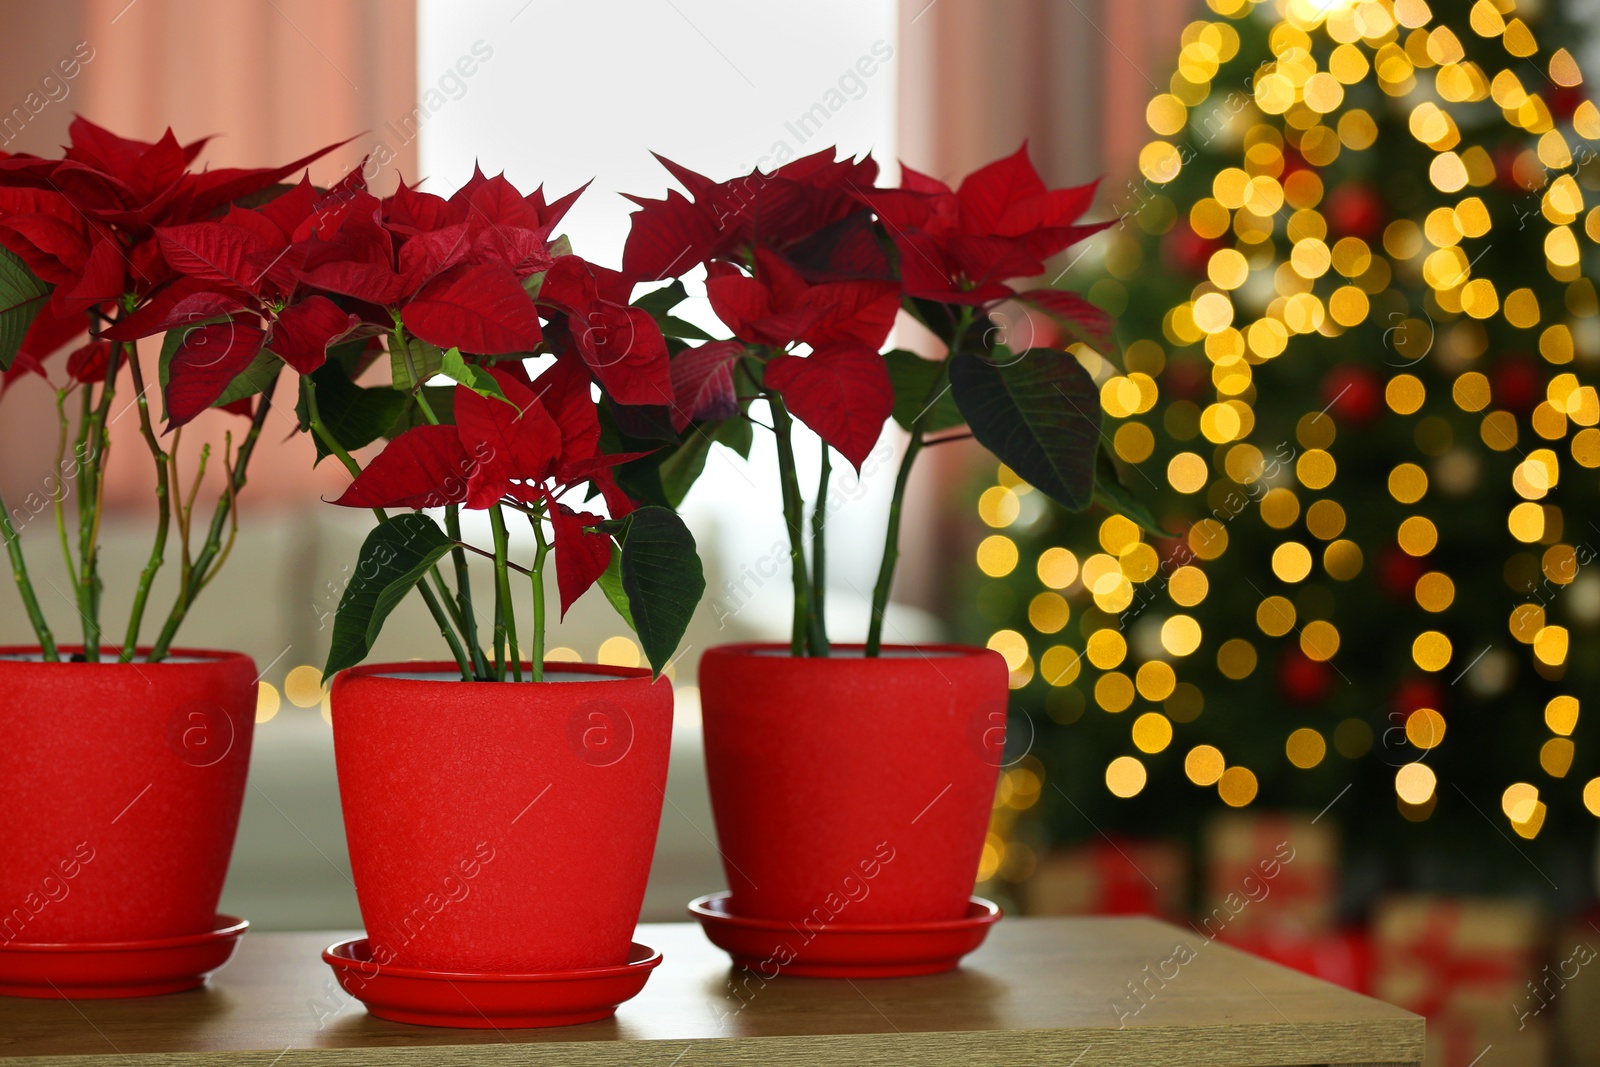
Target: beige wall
point(273, 80)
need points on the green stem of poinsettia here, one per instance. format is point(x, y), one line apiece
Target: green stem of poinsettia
point(891, 545)
point(60, 493)
point(90, 505)
point(224, 521)
point(164, 490)
point(891, 541)
point(460, 606)
point(505, 616)
point(819, 559)
point(468, 621)
point(30, 601)
point(543, 549)
point(800, 642)
point(440, 618)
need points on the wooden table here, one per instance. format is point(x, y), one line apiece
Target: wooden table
point(1039, 991)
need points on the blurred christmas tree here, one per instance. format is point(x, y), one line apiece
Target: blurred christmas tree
point(1356, 326)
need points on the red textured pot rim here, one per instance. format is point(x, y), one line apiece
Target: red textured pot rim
point(898, 653)
point(186, 657)
point(341, 955)
point(227, 926)
point(385, 673)
point(714, 907)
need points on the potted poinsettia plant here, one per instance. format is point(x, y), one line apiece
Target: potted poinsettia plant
point(121, 814)
point(828, 761)
point(493, 826)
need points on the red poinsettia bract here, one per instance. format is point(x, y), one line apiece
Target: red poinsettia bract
point(87, 224)
point(962, 246)
point(475, 271)
point(538, 440)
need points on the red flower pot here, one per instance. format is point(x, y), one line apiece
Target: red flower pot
point(501, 826)
point(848, 789)
point(121, 785)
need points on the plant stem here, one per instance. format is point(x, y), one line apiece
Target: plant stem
point(164, 506)
point(440, 618)
point(223, 518)
point(19, 571)
point(99, 440)
point(537, 657)
point(793, 508)
point(411, 372)
point(460, 606)
point(469, 621)
point(891, 541)
point(505, 615)
point(819, 559)
point(61, 488)
point(891, 546)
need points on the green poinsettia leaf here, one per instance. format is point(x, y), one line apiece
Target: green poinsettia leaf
point(441, 401)
point(252, 380)
point(394, 558)
point(662, 578)
point(355, 415)
point(920, 390)
point(1111, 493)
point(22, 297)
point(683, 465)
point(425, 361)
point(660, 301)
point(737, 433)
point(610, 582)
point(1039, 413)
point(477, 379)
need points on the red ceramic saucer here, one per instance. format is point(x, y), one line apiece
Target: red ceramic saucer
point(89, 970)
point(484, 1000)
point(843, 950)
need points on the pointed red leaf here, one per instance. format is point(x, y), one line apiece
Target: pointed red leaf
point(513, 439)
point(104, 278)
point(624, 348)
point(88, 363)
point(841, 391)
point(305, 329)
point(989, 191)
point(918, 182)
point(425, 467)
point(859, 311)
point(369, 281)
point(289, 209)
point(1054, 209)
point(702, 383)
point(53, 248)
point(1080, 318)
point(481, 309)
point(101, 147)
point(564, 390)
point(212, 252)
point(213, 188)
point(431, 253)
point(183, 303)
point(581, 557)
point(667, 236)
point(206, 360)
